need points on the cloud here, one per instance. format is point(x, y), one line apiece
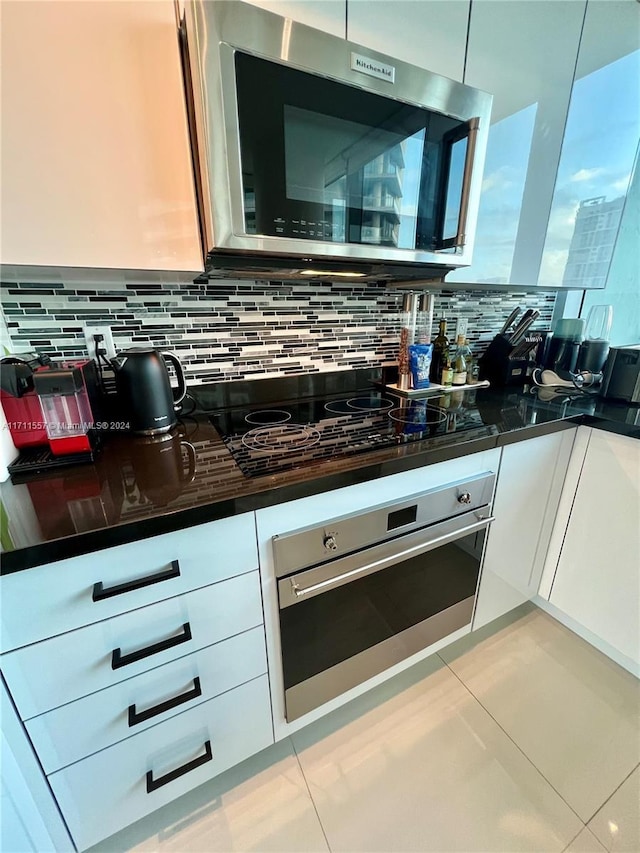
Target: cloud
point(490, 182)
point(500, 180)
point(586, 174)
point(622, 184)
point(562, 224)
point(553, 265)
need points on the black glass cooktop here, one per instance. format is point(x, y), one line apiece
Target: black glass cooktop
point(270, 439)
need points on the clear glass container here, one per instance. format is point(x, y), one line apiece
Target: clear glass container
point(599, 320)
point(66, 415)
point(424, 318)
point(68, 419)
point(407, 337)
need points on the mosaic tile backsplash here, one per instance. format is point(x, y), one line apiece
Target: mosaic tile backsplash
point(236, 330)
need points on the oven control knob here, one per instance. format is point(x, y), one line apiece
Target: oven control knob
point(464, 498)
point(330, 542)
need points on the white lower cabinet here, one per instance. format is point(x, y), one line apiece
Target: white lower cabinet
point(70, 593)
point(48, 674)
point(596, 579)
point(80, 728)
point(115, 787)
point(525, 504)
point(30, 821)
point(140, 672)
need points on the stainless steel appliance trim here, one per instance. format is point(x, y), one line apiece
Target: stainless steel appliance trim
point(304, 547)
point(215, 30)
point(330, 683)
point(342, 571)
point(191, 49)
point(469, 164)
point(198, 162)
point(383, 562)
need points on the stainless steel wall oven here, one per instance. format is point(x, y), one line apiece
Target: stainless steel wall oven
point(363, 592)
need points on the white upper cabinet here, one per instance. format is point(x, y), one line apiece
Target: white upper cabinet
point(599, 149)
point(523, 52)
point(96, 164)
point(326, 15)
point(428, 33)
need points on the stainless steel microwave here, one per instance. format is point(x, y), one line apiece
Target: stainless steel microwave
point(315, 152)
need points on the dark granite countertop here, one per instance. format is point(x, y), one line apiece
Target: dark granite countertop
point(138, 488)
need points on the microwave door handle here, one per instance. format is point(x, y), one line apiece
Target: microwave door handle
point(377, 565)
point(461, 235)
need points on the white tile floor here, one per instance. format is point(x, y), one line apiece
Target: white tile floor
point(521, 737)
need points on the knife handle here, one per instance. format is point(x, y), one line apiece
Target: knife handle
point(510, 320)
point(521, 322)
point(523, 327)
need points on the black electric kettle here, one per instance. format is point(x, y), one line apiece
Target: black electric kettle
point(163, 466)
point(145, 396)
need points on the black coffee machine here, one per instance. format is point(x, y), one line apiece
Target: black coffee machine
point(580, 346)
point(146, 400)
point(564, 346)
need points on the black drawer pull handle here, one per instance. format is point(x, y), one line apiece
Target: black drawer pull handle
point(99, 592)
point(154, 784)
point(136, 717)
point(118, 659)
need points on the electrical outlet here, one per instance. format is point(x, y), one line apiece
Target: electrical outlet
point(462, 324)
point(107, 340)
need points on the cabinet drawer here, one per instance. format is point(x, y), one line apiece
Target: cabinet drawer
point(109, 790)
point(94, 722)
point(48, 600)
point(49, 674)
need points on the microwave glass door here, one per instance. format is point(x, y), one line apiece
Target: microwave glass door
point(326, 161)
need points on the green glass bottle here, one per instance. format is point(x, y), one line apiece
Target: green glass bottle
point(446, 375)
point(440, 345)
point(461, 361)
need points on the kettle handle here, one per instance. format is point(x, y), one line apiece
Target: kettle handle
point(189, 475)
point(179, 392)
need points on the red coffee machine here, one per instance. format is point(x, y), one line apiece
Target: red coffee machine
point(68, 394)
point(20, 401)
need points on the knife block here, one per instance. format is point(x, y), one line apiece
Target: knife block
point(498, 365)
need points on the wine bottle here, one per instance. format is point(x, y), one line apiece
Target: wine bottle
point(446, 375)
point(462, 356)
point(440, 344)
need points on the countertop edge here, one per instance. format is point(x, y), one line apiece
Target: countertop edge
point(96, 540)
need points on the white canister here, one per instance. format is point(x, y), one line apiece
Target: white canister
point(8, 450)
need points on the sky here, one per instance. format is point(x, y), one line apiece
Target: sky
point(599, 148)
point(598, 153)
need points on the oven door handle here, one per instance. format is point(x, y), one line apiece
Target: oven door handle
point(376, 565)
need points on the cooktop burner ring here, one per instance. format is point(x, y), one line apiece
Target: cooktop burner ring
point(359, 405)
point(267, 417)
point(281, 438)
point(371, 404)
point(414, 416)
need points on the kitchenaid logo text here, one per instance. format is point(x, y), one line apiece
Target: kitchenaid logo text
point(372, 67)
